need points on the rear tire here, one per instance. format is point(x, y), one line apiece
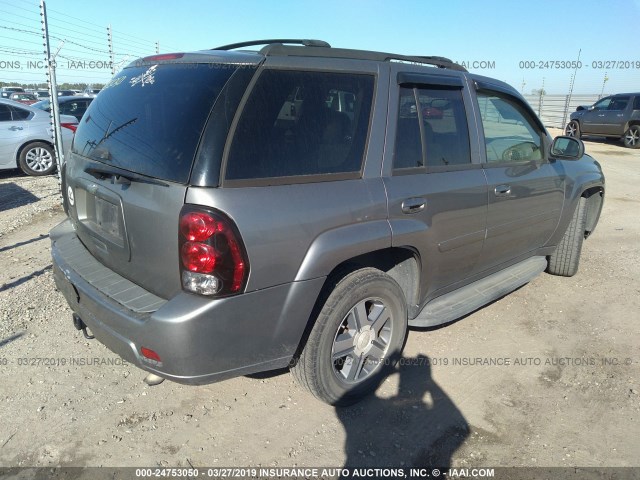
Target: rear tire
point(572, 129)
point(356, 340)
point(37, 159)
point(564, 261)
point(632, 137)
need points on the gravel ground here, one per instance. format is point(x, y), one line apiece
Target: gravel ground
point(567, 397)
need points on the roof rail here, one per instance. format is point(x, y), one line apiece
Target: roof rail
point(286, 50)
point(252, 43)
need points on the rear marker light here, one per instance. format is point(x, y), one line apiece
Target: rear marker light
point(71, 126)
point(150, 354)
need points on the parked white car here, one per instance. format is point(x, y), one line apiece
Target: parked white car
point(26, 138)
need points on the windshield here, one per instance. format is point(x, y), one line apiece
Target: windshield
point(149, 119)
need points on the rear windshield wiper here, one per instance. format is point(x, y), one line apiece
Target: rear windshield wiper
point(121, 177)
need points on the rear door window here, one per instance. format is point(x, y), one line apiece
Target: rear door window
point(19, 113)
point(299, 124)
point(619, 103)
point(437, 118)
point(149, 118)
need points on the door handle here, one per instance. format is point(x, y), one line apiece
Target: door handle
point(502, 191)
point(601, 114)
point(413, 205)
point(14, 128)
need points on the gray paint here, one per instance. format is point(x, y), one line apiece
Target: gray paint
point(296, 234)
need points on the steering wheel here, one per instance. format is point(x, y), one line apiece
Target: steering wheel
point(520, 151)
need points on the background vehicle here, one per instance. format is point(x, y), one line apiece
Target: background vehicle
point(387, 217)
point(43, 94)
point(91, 92)
point(26, 98)
point(74, 105)
point(617, 116)
point(5, 92)
point(25, 138)
point(66, 93)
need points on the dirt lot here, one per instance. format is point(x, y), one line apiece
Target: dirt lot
point(547, 376)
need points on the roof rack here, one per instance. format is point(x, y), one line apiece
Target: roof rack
point(319, 48)
point(252, 43)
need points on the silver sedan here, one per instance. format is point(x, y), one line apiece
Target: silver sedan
point(26, 140)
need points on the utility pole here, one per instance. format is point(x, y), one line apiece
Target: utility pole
point(571, 84)
point(53, 91)
point(110, 43)
point(603, 82)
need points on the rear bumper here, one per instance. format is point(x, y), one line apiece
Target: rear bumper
point(199, 340)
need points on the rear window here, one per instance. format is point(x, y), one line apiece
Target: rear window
point(149, 119)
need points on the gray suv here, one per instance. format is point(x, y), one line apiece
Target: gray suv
point(235, 211)
point(617, 116)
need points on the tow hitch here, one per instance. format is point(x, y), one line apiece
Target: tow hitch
point(80, 325)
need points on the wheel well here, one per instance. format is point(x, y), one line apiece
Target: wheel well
point(631, 124)
point(401, 264)
point(595, 198)
point(26, 144)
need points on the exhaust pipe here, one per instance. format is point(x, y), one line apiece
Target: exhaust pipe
point(80, 325)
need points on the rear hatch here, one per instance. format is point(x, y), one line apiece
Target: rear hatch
point(128, 171)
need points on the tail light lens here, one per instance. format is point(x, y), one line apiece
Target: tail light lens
point(71, 126)
point(213, 260)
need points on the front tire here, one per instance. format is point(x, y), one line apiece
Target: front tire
point(37, 159)
point(356, 340)
point(632, 137)
point(573, 129)
point(564, 261)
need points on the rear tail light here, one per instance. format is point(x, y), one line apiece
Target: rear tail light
point(213, 260)
point(71, 126)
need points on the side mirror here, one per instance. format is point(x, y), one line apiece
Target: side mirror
point(567, 148)
point(592, 107)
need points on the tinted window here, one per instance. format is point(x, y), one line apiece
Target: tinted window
point(19, 113)
point(75, 108)
point(302, 123)
point(5, 113)
point(438, 116)
point(636, 103)
point(149, 119)
point(509, 134)
point(619, 103)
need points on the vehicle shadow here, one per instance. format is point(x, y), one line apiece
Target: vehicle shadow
point(13, 196)
point(26, 278)
point(420, 427)
point(12, 173)
point(25, 242)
